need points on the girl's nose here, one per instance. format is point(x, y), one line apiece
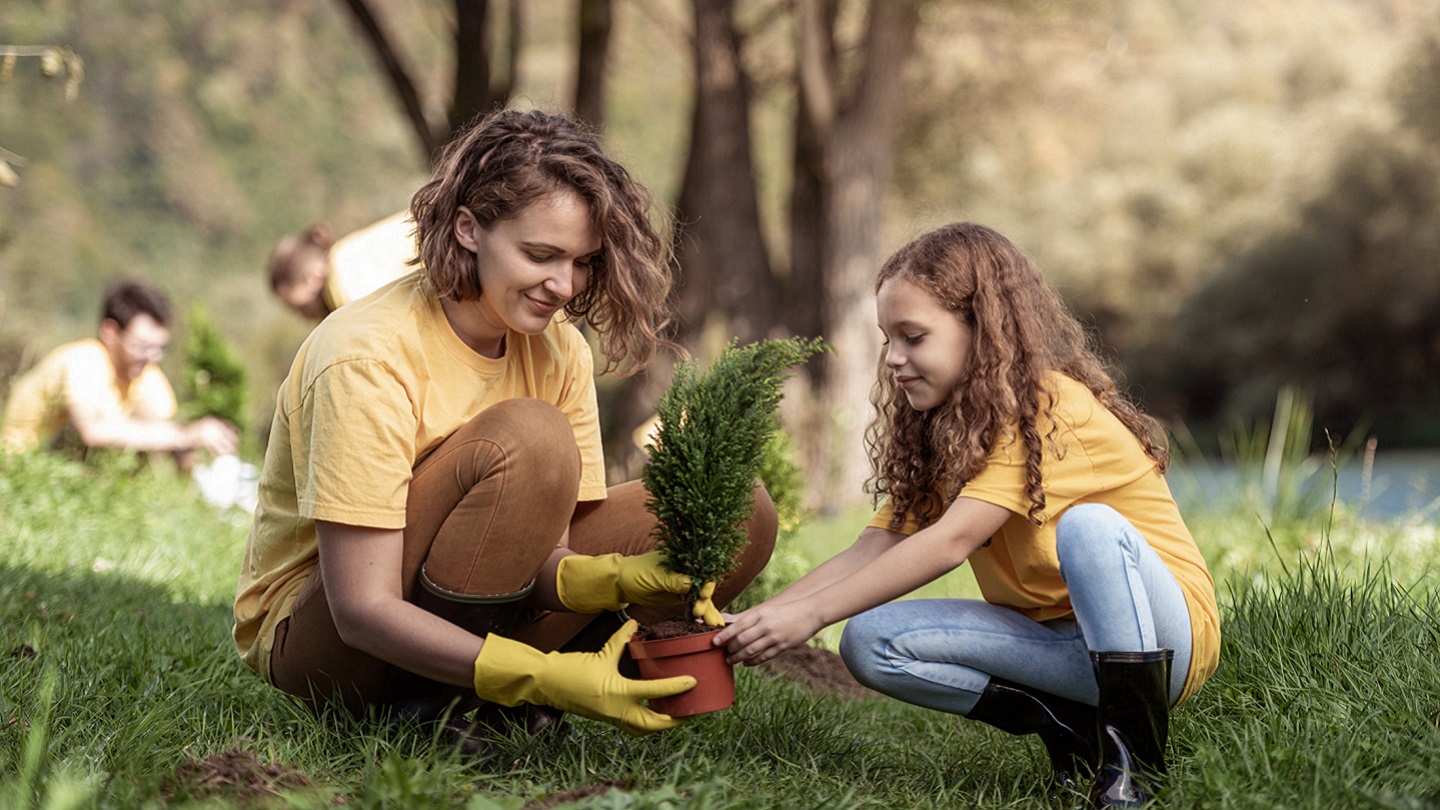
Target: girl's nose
point(893, 358)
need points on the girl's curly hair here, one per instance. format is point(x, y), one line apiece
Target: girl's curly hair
point(1021, 331)
point(504, 163)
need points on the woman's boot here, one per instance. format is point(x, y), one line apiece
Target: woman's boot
point(1066, 727)
point(416, 697)
point(1134, 722)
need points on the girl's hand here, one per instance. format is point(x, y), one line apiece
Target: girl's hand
point(765, 631)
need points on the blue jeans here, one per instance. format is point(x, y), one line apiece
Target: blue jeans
point(940, 653)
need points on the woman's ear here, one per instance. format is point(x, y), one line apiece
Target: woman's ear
point(467, 229)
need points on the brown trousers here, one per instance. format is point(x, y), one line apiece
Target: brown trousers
point(485, 511)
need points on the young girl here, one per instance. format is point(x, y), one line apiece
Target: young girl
point(433, 525)
point(1001, 440)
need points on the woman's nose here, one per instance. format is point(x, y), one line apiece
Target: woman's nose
point(567, 282)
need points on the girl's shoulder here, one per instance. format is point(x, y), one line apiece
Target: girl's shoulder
point(1068, 400)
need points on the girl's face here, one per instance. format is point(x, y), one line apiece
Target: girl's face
point(531, 265)
point(927, 347)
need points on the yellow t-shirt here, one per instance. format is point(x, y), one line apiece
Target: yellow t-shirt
point(1100, 462)
point(79, 375)
point(363, 261)
point(373, 390)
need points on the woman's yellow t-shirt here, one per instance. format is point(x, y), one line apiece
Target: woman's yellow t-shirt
point(374, 389)
point(1099, 461)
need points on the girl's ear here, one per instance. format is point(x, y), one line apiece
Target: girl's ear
point(467, 229)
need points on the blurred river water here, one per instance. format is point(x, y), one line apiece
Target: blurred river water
point(1396, 484)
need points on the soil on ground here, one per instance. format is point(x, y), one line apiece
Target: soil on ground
point(575, 795)
point(818, 670)
point(235, 775)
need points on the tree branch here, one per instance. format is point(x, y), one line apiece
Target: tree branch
point(400, 81)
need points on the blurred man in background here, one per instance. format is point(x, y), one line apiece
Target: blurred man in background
point(108, 391)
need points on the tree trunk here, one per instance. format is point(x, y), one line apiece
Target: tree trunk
point(721, 247)
point(479, 87)
point(845, 147)
point(472, 62)
point(596, 19)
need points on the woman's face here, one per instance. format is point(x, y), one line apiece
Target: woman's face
point(927, 347)
point(532, 264)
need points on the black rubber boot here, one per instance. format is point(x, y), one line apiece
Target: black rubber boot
point(1133, 725)
point(416, 697)
point(1066, 727)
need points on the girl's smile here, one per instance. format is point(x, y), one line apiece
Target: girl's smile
point(927, 346)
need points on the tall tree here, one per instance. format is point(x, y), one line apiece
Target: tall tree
point(719, 240)
point(479, 87)
point(596, 20)
point(846, 134)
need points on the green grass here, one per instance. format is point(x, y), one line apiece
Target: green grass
point(1328, 693)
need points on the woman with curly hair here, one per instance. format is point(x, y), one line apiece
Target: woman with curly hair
point(1001, 440)
point(434, 527)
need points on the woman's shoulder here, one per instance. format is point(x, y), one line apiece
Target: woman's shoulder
point(371, 329)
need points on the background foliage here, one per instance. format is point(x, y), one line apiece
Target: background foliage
point(1238, 196)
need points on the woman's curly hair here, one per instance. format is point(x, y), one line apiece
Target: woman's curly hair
point(504, 163)
point(1021, 332)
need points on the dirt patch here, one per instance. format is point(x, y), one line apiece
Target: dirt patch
point(235, 774)
point(575, 795)
point(818, 670)
point(23, 651)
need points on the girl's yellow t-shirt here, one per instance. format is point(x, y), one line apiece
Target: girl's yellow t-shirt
point(375, 388)
point(1098, 461)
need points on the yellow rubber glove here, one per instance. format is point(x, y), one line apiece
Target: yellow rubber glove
point(705, 609)
point(613, 581)
point(584, 683)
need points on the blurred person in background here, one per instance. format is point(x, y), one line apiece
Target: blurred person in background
point(315, 275)
point(108, 391)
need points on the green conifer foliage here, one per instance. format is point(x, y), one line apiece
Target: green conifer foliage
point(709, 448)
point(214, 381)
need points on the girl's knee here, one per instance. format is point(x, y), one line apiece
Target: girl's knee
point(859, 645)
point(1084, 534)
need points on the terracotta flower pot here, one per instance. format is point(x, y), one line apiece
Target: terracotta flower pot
point(688, 655)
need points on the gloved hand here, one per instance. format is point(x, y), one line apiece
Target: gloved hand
point(584, 683)
point(705, 609)
point(613, 581)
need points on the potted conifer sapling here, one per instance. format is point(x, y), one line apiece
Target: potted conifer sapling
point(704, 459)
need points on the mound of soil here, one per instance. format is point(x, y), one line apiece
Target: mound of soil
point(575, 795)
point(235, 775)
point(818, 670)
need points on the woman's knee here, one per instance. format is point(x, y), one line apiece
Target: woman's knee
point(535, 441)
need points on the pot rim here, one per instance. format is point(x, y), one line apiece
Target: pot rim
point(666, 647)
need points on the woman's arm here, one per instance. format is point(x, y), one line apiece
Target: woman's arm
point(361, 569)
point(759, 634)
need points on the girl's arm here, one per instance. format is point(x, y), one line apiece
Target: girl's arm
point(361, 570)
point(870, 544)
point(765, 631)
